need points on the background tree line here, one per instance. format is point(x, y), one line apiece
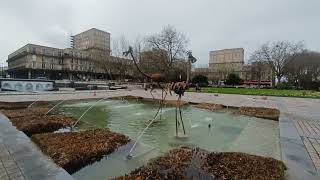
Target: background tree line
point(293, 66)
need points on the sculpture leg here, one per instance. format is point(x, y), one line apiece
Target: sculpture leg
point(151, 93)
point(161, 103)
point(179, 99)
point(165, 95)
point(177, 119)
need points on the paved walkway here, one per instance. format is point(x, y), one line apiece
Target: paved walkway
point(298, 123)
point(309, 131)
point(20, 159)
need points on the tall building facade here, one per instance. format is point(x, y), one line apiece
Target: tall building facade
point(226, 61)
point(231, 61)
point(92, 39)
point(85, 60)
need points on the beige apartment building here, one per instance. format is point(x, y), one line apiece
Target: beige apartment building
point(87, 59)
point(226, 61)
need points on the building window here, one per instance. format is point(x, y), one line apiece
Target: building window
point(34, 58)
point(60, 61)
point(43, 65)
point(51, 66)
point(33, 64)
point(34, 50)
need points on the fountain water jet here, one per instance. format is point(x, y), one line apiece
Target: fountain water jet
point(34, 102)
point(129, 156)
point(87, 111)
point(55, 106)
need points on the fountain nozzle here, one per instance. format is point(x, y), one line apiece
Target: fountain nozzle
point(129, 156)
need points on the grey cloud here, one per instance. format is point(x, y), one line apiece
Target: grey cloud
point(209, 24)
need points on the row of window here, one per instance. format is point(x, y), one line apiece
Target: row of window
point(51, 66)
point(57, 53)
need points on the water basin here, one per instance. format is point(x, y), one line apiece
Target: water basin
point(228, 132)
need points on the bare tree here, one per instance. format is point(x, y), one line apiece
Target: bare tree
point(256, 71)
point(170, 43)
point(304, 67)
point(105, 63)
point(119, 63)
point(277, 54)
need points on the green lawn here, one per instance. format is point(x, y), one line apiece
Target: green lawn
point(262, 92)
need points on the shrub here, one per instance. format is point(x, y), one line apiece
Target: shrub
point(233, 79)
point(201, 80)
point(284, 85)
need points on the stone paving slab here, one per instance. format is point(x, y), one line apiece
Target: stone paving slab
point(313, 148)
point(310, 133)
point(21, 159)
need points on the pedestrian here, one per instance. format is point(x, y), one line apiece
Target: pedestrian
point(197, 87)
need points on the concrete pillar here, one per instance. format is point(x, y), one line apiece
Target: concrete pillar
point(29, 74)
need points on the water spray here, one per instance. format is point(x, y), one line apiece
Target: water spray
point(87, 111)
point(129, 156)
point(34, 102)
point(55, 106)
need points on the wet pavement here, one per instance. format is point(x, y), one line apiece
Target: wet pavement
point(299, 121)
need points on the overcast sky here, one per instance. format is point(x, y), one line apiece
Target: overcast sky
point(208, 24)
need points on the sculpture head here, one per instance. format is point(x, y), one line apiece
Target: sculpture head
point(130, 51)
point(190, 57)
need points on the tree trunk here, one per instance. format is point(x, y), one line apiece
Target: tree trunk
point(279, 79)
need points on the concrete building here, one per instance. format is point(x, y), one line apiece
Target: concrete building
point(231, 56)
point(227, 61)
point(86, 59)
point(92, 39)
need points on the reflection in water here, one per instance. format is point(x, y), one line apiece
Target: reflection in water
point(228, 132)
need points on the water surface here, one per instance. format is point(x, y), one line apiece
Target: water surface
point(228, 132)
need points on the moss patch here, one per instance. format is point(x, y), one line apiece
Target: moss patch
point(73, 150)
point(209, 106)
point(260, 112)
point(185, 163)
point(34, 124)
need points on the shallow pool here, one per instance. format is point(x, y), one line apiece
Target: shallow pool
point(228, 132)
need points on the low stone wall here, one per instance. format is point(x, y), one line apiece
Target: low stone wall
point(19, 105)
point(25, 112)
point(209, 106)
point(166, 102)
point(260, 112)
point(74, 150)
